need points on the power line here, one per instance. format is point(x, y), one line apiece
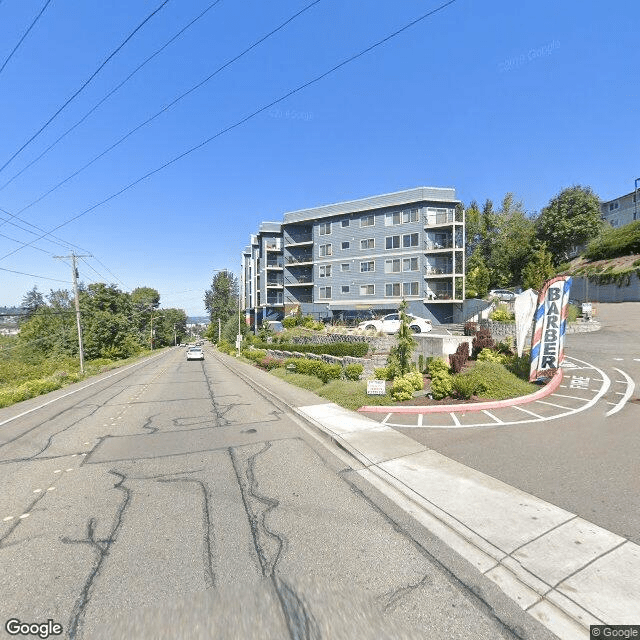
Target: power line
point(2, 235)
point(116, 88)
point(170, 105)
point(246, 118)
point(33, 275)
point(104, 266)
point(26, 33)
point(48, 237)
point(93, 75)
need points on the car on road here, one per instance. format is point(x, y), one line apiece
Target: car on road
point(195, 353)
point(504, 295)
point(391, 324)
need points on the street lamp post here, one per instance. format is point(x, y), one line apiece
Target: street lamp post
point(151, 336)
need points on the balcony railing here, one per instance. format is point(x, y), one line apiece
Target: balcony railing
point(273, 246)
point(302, 235)
point(275, 283)
point(299, 259)
point(275, 302)
point(439, 218)
point(304, 279)
point(274, 264)
point(293, 300)
point(433, 245)
point(439, 294)
point(439, 269)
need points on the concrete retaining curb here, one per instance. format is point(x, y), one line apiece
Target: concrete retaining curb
point(548, 389)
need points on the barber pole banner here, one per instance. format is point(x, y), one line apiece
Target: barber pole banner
point(547, 342)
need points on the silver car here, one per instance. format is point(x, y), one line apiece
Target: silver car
point(195, 353)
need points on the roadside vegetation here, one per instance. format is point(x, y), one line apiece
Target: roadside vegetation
point(116, 326)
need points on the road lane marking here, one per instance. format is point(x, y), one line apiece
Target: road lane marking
point(24, 515)
point(559, 395)
point(492, 416)
point(531, 413)
point(455, 419)
point(619, 359)
point(7, 519)
point(631, 385)
point(551, 404)
point(384, 420)
point(420, 417)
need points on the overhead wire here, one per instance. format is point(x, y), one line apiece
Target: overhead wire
point(85, 84)
point(170, 105)
point(250, 116)
point(108, 95)
point(26, 33)
point(33, 275)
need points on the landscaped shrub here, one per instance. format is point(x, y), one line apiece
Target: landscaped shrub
point(502, 314)
point(269, 363)
point(436, 366)
point(339, 349)
point(482, 340)
point(464, 387)
point(490, 355)
point(491, 380)
point(402, 389)
point(289, 322)
point(416, 380)
point(384, 373)
point(459, 358)
point(519, 366)
point(470, 328)
point(330, 372)
point(353, 371)
point(612, 243)
point(441, 384)
point(420, 363)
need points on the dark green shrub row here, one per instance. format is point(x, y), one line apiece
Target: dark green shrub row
point(612, 243)
point(339, 349)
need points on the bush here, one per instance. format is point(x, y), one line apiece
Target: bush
point(436, 366)
point(330, 372)
point(269, 363)
point(470, 328)
point(338, 349)
point(572, 313)
point(416, 380)
point(502, 314)
point(460, 357)
point(612, 243)
point(489, 355)
point(225, 347)
point(482, 340)
point(402, 389)
point(491, 380)
point(441, 384)
point(384, 373)
point(353, 371)
point(289, 322)
point(519, 366)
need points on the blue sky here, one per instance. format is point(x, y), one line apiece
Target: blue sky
point(486, 97)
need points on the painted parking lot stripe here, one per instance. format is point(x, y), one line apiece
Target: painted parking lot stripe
point(492, 416)
point(551, 404)
point(631, 385)
point(531, 413)
point(559, 395)
point(455, 419)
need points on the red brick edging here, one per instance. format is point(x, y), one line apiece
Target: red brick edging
point(548, 389)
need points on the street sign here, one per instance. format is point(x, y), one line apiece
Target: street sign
point(376, 387)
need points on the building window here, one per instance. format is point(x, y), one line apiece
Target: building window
point(392, 290)
point(392, 218)
point(410, 264)
point(345, 245)
point(324, 293)
point(613, 206)
point(392, 266)
point(410, 216)
point(369, 243)
point(325, 250)
point(367, 221)
point(367, 290)
point(345, 266)
point(367, 266)
point(410, 240)
point(345, 223)
point(324, 270)
point(409, 288)
point(345, 288)
point(392, 242)
point(325, 228)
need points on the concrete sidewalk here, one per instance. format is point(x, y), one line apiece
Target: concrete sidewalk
point(564, 571)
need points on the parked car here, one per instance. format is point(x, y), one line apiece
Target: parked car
point(349, 318)
point(195, 353)
point(505, 295)
point(391, 324)
point(275, 325)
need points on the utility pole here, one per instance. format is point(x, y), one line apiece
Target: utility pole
point(74, 273)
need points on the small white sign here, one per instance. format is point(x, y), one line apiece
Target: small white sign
point(376, 387)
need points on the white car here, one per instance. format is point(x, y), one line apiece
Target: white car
point(503, 294)
point(391, 324)
point(195, 353)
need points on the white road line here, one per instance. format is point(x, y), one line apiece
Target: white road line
point(384, 420)
point(492, 416)
point(636, 359)
point(619, 359)
point(631, 385)
point(420, 417)
point(535, 415)
point(86, 386)
point(559, 395)
point(551, 404)
point(455, 419)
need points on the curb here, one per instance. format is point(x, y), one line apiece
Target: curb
point(548, 389)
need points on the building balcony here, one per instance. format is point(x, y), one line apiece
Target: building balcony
point(274, 264)
point(438, 245)
point(303, 259)
point(301, 281)
point(299, 236)
point(275, 284)
point(300, 298)
point(273, 246)
point(445, 269)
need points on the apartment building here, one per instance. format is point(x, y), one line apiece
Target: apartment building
point(360, 255)
point(622, 210)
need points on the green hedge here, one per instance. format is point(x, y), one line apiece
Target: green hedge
point(613, 243)
point(339, 349)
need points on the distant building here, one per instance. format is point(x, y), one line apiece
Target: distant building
point(621, 210)
point(360, 255)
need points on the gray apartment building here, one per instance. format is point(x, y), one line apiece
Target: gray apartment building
point(365, 254)
point(622, 210)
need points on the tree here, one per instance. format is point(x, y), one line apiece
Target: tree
point(32, 301)
point(221, 300)
point(473, 228)
point(478, 276)
point(401, 353)
point(539, 269)
point(570, 220)
point(145, 298)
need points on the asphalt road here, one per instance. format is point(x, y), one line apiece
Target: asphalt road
point(172, 500)
point(587, 463)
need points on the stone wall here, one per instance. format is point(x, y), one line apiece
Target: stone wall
point(499, 330)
